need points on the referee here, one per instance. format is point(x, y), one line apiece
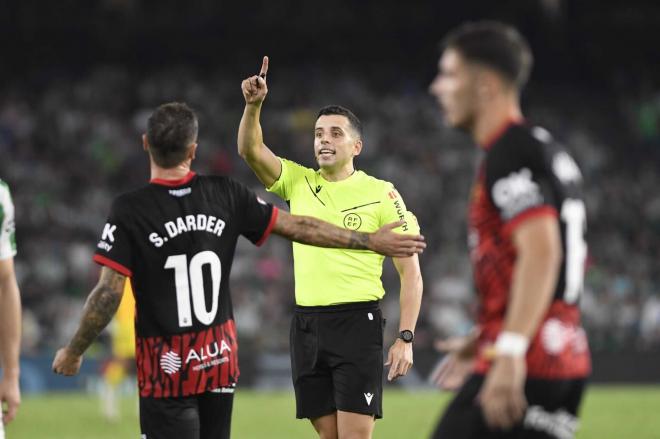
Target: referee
point(337, 330)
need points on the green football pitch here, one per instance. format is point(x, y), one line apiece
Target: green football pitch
point(609, 412)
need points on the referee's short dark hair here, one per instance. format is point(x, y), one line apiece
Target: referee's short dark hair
point(495, 45)
point(171, 129)
point(342, 111)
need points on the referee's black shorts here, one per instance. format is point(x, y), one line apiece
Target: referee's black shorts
point(203, 416)
point(337, 359)
point(551, 413)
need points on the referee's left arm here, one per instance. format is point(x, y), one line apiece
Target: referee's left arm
point(400, 355)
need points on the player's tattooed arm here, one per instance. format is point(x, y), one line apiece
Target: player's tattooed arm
point(312, 231)
point(100, 307)
point(359, 241)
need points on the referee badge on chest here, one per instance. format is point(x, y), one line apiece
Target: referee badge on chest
point(352, 221)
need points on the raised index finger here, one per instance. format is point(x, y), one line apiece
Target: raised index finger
point(264, 68)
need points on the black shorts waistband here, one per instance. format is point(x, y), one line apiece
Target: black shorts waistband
point(351, 306)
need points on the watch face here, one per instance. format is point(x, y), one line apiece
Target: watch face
point(407, 336)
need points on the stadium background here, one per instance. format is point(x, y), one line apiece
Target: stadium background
point(79, 79)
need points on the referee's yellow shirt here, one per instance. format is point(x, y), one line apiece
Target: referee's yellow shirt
point(360, 202)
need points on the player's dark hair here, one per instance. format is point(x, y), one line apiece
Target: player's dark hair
point(170, 131)
point(330, 110)
point(495, 45)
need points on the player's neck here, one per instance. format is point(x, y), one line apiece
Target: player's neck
point(177, 173)
point(339, 174)
point(495, 117)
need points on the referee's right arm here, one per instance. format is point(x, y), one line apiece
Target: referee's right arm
point(251, 145)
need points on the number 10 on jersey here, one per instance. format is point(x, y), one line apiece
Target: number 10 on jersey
point(190, 279)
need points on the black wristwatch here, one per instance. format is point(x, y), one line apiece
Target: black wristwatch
point(407, 336)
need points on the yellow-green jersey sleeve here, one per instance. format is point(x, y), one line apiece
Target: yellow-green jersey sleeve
point(292, 174)
point(393, 209)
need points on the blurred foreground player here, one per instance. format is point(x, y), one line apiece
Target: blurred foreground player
point(175, 238)
point(337, 330)
point(526, 236)
point(10, 313)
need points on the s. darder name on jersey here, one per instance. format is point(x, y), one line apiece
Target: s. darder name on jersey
point(189, 223)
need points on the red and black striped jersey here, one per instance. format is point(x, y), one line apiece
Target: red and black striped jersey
point(176, 240)
point(525, 173)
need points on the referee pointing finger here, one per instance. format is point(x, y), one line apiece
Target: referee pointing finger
point(264, 68)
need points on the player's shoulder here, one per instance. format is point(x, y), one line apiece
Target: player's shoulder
point(127, 200)
point(522, 139)
point(523, 145)
point(5, 193)
point(222, 187)
point(214, 180)
point(219, 183)
point(4, 189)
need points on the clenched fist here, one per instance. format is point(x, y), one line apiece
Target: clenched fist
point(66, 363)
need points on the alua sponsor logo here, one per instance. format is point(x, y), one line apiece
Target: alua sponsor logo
point(170, 362)
point(207, 352)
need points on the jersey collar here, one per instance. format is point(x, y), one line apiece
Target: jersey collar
point(499, 132)
point(349, 178)
point(172, 183)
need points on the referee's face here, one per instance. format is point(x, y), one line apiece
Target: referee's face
point(335, 142)
point(454, 89)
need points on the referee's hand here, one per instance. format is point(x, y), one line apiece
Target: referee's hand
point(399, 359)
point(254, 88)
point(389, 243)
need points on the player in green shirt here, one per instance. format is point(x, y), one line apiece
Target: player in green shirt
point(337, 330)
point(10, 313)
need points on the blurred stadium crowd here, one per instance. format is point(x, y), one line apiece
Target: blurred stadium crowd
point(70, 146)
point(79, 80)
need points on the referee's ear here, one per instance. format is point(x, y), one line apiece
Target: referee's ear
point(357, 148)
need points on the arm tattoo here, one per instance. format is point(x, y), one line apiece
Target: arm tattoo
point(358, 241)
point(313, 231)
point(100, 307)
point(316, 232)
